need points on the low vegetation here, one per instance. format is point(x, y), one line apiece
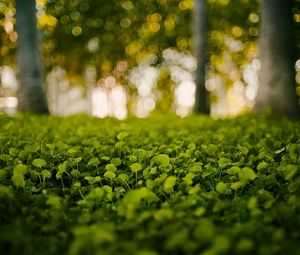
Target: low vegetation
point(161, 185)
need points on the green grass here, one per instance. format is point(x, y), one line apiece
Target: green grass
point(161, 185)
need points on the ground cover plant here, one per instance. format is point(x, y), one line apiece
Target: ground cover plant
point(161, 185)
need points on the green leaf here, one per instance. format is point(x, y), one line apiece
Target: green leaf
point(136, 167)
point(54, 202)
point(39, 162)
point(169, 184)
point(109, 175)
point(290, 171)
point(196, 168)
point(62, 167)
point(122, 135)
point(224, 162)
point(75, 173)
point(211, 149)
point(161, 159)
point(32, 148)
point(233, 170)
point(199, 211)
point(111, 168)
point(188, 179)
point(165, 167)
point(243, 149)
point(123, 177)
point(93, 162)
point(20, 169)
point(6, 157)
point(92, 180)
point(236, 185)
point(246, 174)
point(221, 187)
point(13, 151)
point(46, 174)
point(116, 161)
point(163, 214)
point(294, 186)
point(262, 165)
point(74, 161)
point(280, 150)
point(18, 180)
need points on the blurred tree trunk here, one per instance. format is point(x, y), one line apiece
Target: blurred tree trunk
point(32, 96)
point(200, 32)
point(277, 53)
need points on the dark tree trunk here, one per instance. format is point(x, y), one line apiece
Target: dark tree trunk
point(277, 53)
point(200, 45)
point(32, 96)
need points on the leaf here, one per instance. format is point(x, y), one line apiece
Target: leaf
point(13, 151)
point(169, 184)
point(111, 168)
point(280, 150)
point(136, 167)
point(46, 174)
point(75, 173)
point(188, 179)
point(116, 161)
point(211, 149)
point(109, 175)
point(290, 171)
point(122, 135)
point(294, 186)
point(243, 149)
point(233, 170)
point(153, 170)
point(54, 202)
point(236, 185)
point(262, 165)
point(224, 162)
point(6, 157)
point(92, 180)
point(74, 161)
point(163, 214)
point(199, 211)
point(246, 174)
point(20, 169)
point(39, 162)
point(62, 167)
point(18, 180)
point(221, 187)
point(196, 168)
point(165, 167)
point(93, 162)
point(161, 159)
point(123, 177)
point(32, 148)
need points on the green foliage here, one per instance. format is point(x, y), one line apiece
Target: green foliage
point(39, 162)
point(135, 167)
point(175, 186)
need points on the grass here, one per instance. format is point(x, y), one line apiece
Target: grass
point(161, 185)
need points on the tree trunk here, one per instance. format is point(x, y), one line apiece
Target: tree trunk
point(277, 53)
point(200, 45)
point(32, 96)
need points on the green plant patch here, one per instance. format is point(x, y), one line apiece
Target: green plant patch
point(161, 185)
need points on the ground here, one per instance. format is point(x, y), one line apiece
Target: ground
point(162, 185)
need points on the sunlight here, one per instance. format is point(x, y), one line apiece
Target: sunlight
point(100, 105)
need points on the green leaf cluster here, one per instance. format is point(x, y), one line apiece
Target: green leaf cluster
point(193, 185)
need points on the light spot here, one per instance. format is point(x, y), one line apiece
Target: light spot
point(125, 23)
point(154, 27)
point(76, 31)
point(253, 17)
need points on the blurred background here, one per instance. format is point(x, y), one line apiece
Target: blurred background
point(122, 57)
